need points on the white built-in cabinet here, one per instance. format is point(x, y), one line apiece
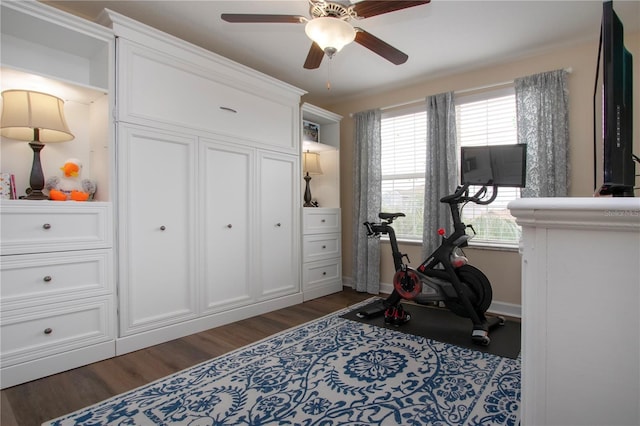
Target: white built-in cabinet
point(57, 264)
point(321, 226)
point(208, 188)
point(197, 162)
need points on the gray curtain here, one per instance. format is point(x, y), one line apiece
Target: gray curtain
point(543, 124)
point(367, 178)
point(441, 172)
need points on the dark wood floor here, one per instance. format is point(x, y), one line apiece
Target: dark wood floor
point(45, 399)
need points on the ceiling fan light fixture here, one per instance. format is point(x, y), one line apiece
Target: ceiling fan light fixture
point(331, 34)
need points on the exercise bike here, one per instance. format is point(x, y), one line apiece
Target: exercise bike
point(462, 288)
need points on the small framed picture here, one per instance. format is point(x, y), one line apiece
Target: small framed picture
point(310, 131)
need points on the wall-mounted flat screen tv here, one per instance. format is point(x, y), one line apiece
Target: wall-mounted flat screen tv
point(499, 165)
point(617, 63)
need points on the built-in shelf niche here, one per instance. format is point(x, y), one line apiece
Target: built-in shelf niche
point(325, 188)
point(45, 50)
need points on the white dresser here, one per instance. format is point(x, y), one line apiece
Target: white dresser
point(580, 320)
point(57, 293)
point(321, 252)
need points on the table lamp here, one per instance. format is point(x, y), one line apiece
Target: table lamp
point(38, 118)
point(310, 165)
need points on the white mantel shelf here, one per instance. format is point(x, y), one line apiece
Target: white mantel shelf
point(580, 212)
point(580, 310)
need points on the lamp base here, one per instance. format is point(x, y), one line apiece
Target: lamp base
point(35, 194)
point(36, 179)
point(307, 193)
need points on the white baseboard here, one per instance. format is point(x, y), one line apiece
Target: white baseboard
point(497, 307)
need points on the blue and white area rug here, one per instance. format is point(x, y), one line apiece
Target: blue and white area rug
point(331, 371)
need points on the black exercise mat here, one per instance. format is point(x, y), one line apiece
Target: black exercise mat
point(444, 326)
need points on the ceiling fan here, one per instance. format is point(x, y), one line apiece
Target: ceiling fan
point(330, 29)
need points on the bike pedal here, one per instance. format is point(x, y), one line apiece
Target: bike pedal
point(389, 314)
point(401, 316)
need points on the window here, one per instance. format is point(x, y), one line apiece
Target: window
point(489, 118)
point(403, 152)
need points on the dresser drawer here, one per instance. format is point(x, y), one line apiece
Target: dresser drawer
point(44, 226)
point(320, 220)
point(321, 272)
point(321, 246)
point(38, 278)
point(37, 332)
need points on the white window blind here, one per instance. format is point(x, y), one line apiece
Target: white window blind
point(489, 118)
point(404, 136)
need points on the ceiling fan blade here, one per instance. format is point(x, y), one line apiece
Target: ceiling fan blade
point(378, 46)
point(367, 9)
point(314, 57)
point(251, 18)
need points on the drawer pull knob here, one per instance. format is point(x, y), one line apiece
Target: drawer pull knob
point(162, 228)
point(323, 221)
point(46, 226)
point(229, 226)
point(324, 273)
point(228, 109)
point(278, 224)
point(47, 278)
point(48, 330)
point(324, 247)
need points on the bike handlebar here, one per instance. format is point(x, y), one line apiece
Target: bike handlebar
point(462, 195)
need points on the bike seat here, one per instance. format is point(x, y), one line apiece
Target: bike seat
point(387, 216)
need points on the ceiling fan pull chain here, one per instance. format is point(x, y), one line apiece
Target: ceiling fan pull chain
point(329, 74)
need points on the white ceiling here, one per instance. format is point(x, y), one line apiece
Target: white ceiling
point(441, 37)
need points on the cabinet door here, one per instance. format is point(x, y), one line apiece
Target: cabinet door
point(156, 228)
point(227, 176)
point(279, 183)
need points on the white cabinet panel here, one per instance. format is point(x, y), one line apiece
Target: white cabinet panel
point(41, 331)
point(27, 279)
point(321, 220)
point(321, 273)
point(279, 226)
point(158, 87)
point(321, 246)
point(44, 226)
point(157, 245)
point(227, 224)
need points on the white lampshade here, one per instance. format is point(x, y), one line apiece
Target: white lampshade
point(23, 111)
point(311, 163)
point(330, 33)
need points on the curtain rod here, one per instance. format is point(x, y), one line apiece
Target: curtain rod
point(457, 92)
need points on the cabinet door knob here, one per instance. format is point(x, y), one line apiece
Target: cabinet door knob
point(229, 226)
point(324, 273)
point(323, 221)
point(46, 226)
point(47, 278)
point(278, 224)
point(48, 330)
point(162, 228)
point(324, 247)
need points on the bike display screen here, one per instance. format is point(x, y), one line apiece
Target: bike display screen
point(500, 165)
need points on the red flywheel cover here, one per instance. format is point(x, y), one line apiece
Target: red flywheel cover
point(407, 284)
